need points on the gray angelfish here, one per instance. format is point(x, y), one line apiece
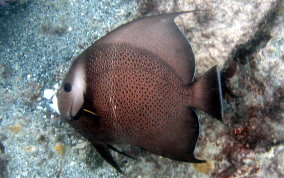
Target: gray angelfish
point(135, 86)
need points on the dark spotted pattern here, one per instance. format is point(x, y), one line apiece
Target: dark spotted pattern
point(136, 94)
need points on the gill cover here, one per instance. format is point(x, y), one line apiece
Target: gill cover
point(71, 94)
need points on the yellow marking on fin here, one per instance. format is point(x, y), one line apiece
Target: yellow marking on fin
point(88, 111)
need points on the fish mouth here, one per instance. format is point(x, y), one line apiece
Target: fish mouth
point(71, 109)
point(67, 115)
point(70, 116)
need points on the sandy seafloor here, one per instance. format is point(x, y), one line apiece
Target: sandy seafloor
point(38, 41)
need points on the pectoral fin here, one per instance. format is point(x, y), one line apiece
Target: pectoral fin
point(105, 153)
point(118, 151)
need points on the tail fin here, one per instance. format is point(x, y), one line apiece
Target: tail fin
point(207, 93)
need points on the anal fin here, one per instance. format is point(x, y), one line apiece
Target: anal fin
point(178, 139)
point(196, 121)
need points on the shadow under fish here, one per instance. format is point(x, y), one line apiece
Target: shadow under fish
point(135, 86)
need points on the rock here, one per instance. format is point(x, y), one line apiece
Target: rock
point(216, 33)
point(30, 149)
point(39, 39)
point(3, 2)
point(255, 121)
point(251, 33)
point(41, 139)
point(280, 162)
point(81, 145)
point(3, 166)
point(2, 69)
point(2, 148)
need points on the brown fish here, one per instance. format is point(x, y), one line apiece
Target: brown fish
point(135, 86)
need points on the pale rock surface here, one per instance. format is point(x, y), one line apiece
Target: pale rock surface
point(214, 34)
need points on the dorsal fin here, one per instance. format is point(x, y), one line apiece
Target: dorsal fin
point(161, 36)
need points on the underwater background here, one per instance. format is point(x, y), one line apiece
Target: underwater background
point(39, 39)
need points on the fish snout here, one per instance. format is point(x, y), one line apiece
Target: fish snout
point(64, 103)
point(70, 101)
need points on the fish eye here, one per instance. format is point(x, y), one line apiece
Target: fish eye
point(67, 87)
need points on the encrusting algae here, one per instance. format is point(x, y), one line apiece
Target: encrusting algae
point(15, 129)
point(205, 168)
point(60, 148)
point(30, 148)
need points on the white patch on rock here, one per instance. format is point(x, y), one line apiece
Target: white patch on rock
point(54, 104)
point(50, 95)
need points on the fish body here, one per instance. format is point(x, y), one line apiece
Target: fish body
point(135, 86)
